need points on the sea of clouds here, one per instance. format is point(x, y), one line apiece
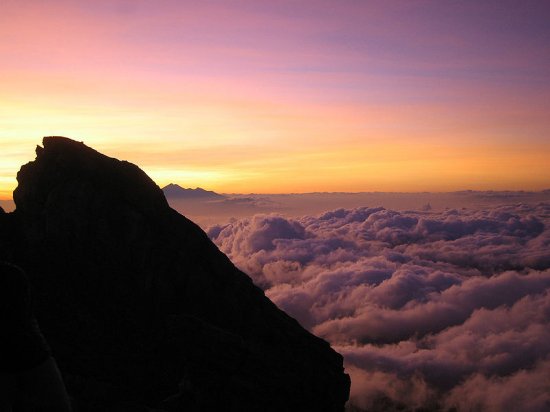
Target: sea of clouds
point(446, 309)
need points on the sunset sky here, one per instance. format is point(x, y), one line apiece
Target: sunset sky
point(285, 96)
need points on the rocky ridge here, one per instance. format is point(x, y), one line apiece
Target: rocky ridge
point(141, 310)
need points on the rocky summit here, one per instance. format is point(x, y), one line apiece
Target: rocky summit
point(140, 308)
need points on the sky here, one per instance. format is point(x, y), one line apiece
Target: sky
point(285, 96)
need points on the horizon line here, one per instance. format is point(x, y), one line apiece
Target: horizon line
point(461, 191)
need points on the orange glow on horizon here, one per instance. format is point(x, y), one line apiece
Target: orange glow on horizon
point(380, 167)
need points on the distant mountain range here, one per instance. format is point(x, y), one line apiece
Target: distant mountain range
point(176, 191)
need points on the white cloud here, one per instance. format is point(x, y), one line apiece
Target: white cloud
point(446, 303)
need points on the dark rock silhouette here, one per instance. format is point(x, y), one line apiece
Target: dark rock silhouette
point(177, 192)
point(141, 309)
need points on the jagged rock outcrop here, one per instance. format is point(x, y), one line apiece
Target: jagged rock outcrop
point(141, 309)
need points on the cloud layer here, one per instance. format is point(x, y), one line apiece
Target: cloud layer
point(430, 309)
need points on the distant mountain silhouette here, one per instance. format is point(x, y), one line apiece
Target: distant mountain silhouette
point(175, 191)
point(141, 309)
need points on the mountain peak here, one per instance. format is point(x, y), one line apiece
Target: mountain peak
point(66, 167)
point(175, 191)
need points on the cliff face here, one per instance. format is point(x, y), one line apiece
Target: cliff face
point(141, 309)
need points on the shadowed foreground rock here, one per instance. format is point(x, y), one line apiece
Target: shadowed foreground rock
point(142, 311)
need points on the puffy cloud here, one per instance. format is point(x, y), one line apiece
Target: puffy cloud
point(428, 308)
point(526, 390)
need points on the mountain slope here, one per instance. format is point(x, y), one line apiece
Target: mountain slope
point(141, 309)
